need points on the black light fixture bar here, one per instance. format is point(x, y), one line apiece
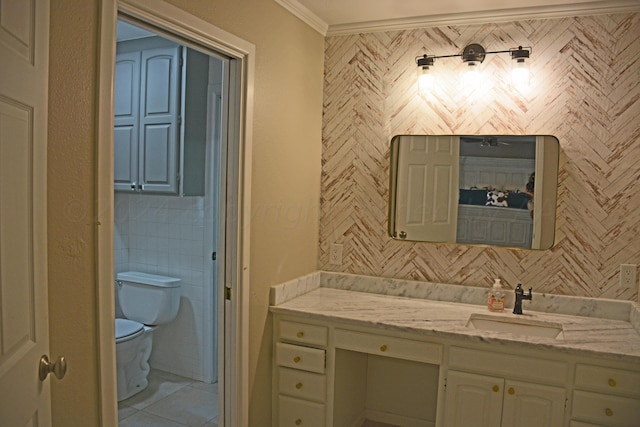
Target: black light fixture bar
point(474, 54)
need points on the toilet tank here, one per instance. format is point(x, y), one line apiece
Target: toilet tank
point(148, 298)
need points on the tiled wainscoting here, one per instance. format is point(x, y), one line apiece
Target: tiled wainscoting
point(166, 235)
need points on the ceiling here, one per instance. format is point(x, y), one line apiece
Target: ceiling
point(331, 17)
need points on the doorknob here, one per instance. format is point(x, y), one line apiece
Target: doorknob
point(59, 367)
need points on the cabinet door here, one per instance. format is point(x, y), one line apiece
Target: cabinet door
point(532, 405)
point(473, 400)
point(159, 121)
point(126, 109)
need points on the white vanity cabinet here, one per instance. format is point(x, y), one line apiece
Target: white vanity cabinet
point(487, 389)
point(348, 369)
point(605, 396)
point(300, 385)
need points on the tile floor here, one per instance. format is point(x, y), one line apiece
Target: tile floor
point(171, 401)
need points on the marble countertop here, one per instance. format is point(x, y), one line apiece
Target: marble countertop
point(587, 336)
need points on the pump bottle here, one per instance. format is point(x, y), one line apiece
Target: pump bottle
point(496, 297)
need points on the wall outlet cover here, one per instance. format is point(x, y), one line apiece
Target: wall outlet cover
point(335, 254)
point(628, 275)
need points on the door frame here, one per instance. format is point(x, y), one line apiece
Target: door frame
point(235, 328)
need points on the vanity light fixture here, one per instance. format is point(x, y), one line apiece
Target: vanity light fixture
point(473, 55)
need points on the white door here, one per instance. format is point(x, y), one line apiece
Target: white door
point(126, 104)
point(529, 405)
point(24, 55)
point(473, 400)
point(427, 206)
point(159, 105)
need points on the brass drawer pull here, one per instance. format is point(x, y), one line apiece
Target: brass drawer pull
point(296, 359)
point(298, 422)
point(383, 348)
point(299, 386)
point(511, 391)
point(608, 412)
point(496, 388)
point(300, 334)
point(612, 382)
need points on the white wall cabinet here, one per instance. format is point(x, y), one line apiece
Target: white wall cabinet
point(153, 92)
point(146, 120)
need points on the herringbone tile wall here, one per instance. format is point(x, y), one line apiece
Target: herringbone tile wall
point(585, 90)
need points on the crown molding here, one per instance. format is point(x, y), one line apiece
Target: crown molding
point(308, 17)
point(492, 16)
point(481, 17)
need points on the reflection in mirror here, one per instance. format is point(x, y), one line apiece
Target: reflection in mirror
point(486, 190)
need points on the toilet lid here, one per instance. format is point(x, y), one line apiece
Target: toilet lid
point(127, 329)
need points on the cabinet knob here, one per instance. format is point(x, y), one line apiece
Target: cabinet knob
point(495, 388)
point(511, 391)
point(296, 359)
point(300, 334)
point(612, 382)
point(298, 422)
point(608, 412)
point(299, 386)
point(383, 347)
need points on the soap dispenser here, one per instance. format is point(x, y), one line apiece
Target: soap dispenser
point(496, 296)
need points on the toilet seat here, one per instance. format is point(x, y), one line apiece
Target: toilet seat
point(127, 329)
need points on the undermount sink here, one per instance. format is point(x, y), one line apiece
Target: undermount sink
point(515, 325)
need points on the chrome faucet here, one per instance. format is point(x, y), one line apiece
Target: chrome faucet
point(517, 308)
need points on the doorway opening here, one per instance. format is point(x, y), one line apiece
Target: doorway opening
point(169, 101)
point(230, 258)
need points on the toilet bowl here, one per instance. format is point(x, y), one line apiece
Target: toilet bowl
point(146, 300)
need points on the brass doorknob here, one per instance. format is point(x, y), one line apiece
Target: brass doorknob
point(59, 367)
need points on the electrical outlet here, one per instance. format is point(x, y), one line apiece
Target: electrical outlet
point(628, 273)
point(335, 254)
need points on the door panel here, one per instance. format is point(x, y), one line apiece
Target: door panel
point(473, 400)
point(158, 152)
point(24, 33)
point(126, 110)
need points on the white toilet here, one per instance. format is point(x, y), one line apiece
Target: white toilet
point(147, 300)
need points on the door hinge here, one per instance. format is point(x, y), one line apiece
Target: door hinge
point(227, 293)
point(213, 256)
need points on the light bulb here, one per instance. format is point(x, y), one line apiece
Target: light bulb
point(520, 75)
point(425, 81)
point(471, 78)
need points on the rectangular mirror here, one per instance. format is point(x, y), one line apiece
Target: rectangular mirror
point(474, 189)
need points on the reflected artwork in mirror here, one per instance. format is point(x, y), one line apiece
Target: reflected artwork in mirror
point(491, 190)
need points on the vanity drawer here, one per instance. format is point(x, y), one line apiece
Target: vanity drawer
point(299, 357)
point(301, 384)
point(302, 333)
point(608, 380)
point(299, 413)
point(383, 345)
point(530, 369)
point(613, 411)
